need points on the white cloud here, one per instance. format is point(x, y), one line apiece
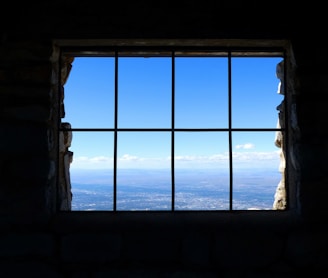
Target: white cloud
point(240, 159)
point(100, 159)
point(95, 162)
point(128, 157)
point(246, 146)
point(186, 158)
point(80, 159)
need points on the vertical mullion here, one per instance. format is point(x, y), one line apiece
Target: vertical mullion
point(230, 133)
point(115, 133)
point(172, 133)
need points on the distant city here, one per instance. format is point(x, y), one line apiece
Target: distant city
point(151, 190)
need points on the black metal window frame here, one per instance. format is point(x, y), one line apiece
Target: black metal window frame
point(182, 51)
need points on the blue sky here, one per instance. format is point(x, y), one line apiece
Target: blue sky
point(201, 101)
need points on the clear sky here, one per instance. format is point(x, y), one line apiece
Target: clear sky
point(201, 101)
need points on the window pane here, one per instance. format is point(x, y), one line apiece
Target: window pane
point(201, 157)
point(144, 174)
point(144, 92)
point(256, 163)
point(91, 171)
point(89, 93)
point(201, 92)
point(144, 189)
point(255, 92)
point(201, 171)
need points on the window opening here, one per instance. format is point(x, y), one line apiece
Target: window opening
point(213, 112)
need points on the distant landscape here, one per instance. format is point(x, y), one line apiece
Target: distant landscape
point(150, 190)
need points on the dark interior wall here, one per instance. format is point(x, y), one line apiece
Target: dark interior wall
point(35, 241)
point(166, 19)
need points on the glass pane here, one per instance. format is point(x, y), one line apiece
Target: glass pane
point(144, 173)
point(91, 171)
point(89, 93)
point(144, 92)
point(256, 162)
point(201, 171)
point(255, 92)
point(201, 92)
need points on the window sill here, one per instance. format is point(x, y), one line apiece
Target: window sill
point(106, 221)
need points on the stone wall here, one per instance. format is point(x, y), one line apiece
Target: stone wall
point(37, 240)
point(28, 143)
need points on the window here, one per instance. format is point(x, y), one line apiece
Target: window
point(174, 128)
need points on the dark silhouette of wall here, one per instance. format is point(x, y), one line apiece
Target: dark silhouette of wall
point(38, 241)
